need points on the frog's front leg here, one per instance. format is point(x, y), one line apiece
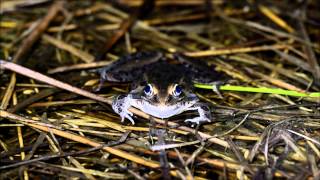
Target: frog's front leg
point(204, 113)
point(121, 105)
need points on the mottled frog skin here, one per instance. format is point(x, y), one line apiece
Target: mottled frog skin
point(159, 88)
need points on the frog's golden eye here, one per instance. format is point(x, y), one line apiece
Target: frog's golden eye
point(148, 90)
point(177, 90)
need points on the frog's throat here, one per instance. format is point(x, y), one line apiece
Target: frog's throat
point(162, 111)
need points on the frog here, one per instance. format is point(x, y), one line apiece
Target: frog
point(159, 88)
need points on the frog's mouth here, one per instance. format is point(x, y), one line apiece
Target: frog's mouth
point(163, 111)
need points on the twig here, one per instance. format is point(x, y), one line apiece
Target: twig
point(80, 139)
point(84, 56)
point(235, 50)
point(37, 32)
point(145, 8)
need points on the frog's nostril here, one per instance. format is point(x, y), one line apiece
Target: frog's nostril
point(169, 99)
point(156, 99)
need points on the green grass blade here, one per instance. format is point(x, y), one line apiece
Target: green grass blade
point(260, 90)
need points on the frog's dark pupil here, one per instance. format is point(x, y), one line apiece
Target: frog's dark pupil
point(178, 89)
point(147, 89)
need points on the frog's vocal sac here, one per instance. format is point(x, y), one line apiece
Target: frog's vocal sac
point(159, 88)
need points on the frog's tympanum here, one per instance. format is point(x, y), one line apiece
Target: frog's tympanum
point(159, 88)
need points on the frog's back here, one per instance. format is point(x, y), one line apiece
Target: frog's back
point(129, 68)
point(198, 70)
point(153, 67)
point(164, 74)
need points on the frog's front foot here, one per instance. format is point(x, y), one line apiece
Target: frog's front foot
point(204, 114)
point(121, 105)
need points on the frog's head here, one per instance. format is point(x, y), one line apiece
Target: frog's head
point(164, 91)
point(166, 85)
point(165, 102)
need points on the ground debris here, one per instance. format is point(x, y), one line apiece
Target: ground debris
point(53, 129)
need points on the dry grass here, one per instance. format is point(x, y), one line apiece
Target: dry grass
point(54, 125)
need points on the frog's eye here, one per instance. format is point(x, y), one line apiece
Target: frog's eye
point(177, 90)
point(148, 90)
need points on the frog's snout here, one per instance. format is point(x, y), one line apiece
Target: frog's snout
point(163, 99)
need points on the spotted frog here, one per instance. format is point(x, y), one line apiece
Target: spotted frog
point(159, 88)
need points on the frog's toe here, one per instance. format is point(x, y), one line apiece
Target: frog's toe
point(127, 115)
point(198, 120)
